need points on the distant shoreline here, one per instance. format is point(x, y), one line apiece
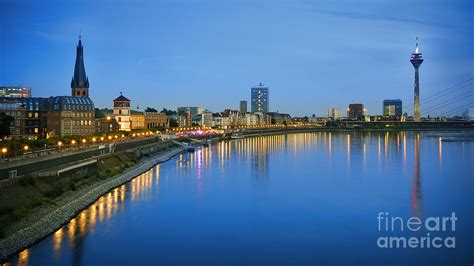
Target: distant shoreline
point(289, 129)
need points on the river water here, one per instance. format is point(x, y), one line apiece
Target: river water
point(291, 199)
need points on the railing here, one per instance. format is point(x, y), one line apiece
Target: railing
point(33, 153)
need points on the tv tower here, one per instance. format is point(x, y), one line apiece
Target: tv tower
point(416, 60)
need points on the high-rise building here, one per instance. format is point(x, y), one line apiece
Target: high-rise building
point(260, 99)
point(334, 113)
point(122, 112)
point(15, 92)
point(416, 60)
point(392, 107)
point(356, 111)
point(80, 82)
point(243, 106)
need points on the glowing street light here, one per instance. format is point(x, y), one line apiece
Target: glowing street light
point(4, 151)
point(84, 141)
point(60, 143)
point(94, 139)
point(73, 141)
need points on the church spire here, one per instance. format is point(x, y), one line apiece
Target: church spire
point(80, 82)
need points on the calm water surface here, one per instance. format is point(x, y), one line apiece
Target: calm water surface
point(296, 199)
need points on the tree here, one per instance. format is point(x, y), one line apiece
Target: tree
point(5, 122)
point(151, 109)
point(168, 112)
point(173, 123)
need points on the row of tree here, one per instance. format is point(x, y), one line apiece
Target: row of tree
point(165, 111)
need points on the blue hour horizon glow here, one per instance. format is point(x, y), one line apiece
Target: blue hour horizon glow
point(311, 55)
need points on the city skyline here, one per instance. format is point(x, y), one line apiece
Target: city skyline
point(312, 67)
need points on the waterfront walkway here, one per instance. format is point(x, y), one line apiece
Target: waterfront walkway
point(45, 221)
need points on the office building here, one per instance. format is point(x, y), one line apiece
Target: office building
point(279, 118)
point(392, 108)
point(334, 113)
point(68, 115)
point(177, 121)
point(29, 115)
point(105, 122)
point(188, 117)
point(356, 111)
point(260, 99)
point(206, 119)
point(155, 120)
point(137, 120)
point(15, 92)
point(243, 107)
point(193, 110)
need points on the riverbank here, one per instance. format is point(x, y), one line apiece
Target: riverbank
point(289, 129)
point(44, 220)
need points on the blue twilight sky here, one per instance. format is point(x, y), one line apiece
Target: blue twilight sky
point(312, 54)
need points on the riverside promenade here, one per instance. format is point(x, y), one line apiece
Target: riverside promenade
point(45, 220)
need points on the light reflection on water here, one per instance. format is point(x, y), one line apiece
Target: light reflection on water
point(353, 155)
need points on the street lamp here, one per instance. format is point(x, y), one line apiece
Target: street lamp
point(26, 148)
point(93, 139)
point(4, 151)
point(73, 142)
